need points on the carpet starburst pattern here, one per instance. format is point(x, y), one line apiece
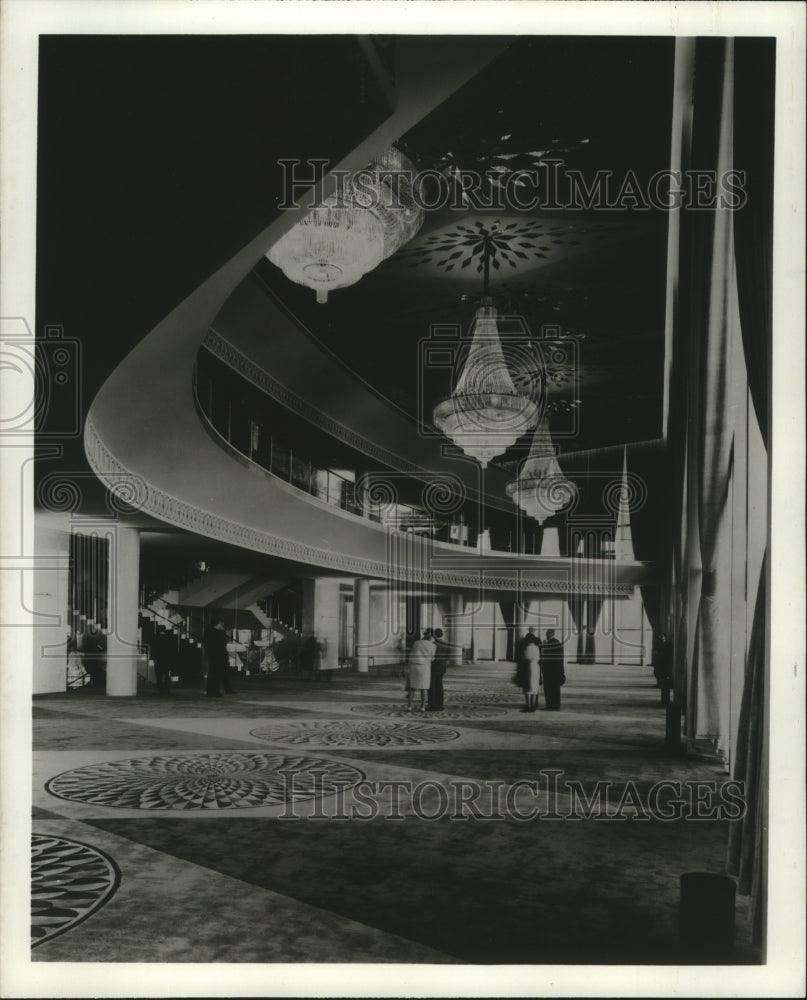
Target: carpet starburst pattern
point(349, 733)
point(69, 882)
point(451, 712)
point(208, 781)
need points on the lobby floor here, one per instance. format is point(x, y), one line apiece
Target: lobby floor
point(320, 822)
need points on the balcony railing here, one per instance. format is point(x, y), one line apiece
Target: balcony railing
point(251, 439)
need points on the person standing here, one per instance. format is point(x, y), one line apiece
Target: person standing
point(218, 660)
point(552, 669)
point(419, 669)
point(438, 669)
point(531, 672)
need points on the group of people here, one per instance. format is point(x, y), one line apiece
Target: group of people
point(426, 666)
point(540, 664)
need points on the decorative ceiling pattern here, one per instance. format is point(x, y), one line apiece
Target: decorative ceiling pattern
point(354, 734)
point(518, 243)
point(483, 166)
point(575, 262)
point(69, 882)
point(203, 782)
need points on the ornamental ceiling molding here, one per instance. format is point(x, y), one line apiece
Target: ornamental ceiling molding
point(136, 491)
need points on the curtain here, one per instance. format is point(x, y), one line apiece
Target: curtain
point(753, 225)
point(745, 849)
point(647, 462)
point(712, 280)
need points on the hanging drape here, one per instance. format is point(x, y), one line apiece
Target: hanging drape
point(745, 850)
point(677, 397)
point(754, 80)
point(714, 432)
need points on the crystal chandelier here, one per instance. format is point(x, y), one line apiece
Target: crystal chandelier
point(484, 415)
point(541, 489)
point(352, 231)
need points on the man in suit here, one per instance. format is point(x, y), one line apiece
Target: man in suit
point(218, 660)
point(441, 653)
point(552, 670)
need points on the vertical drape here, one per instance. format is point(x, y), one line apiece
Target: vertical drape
point(679, 371)
point(754, 85)
point(745, 850)
point(702, 294)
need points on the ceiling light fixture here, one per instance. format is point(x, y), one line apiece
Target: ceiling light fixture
point(353, 230)
point(541, 489)
point(485, 414)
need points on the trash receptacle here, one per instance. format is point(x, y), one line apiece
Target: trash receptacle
point(706, 928)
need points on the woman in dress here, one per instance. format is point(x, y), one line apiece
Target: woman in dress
point(419, 669)
point(532, 673)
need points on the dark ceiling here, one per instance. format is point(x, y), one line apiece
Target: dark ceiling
point(158, 160)
point(592, 282)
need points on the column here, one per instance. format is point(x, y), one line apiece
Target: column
point(550, 542)
point(51, 601)
point(122, 609)
point(456, 610)
point(361, 603)
point(321, 617)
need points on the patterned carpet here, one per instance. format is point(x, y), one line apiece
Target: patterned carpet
point(379, 834)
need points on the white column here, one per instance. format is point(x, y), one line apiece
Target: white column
point(520, 618)
point(361, 601)
point(321, 616)
point(51, 601)
point(123, 595)
point(456, 610)
point(550, 542)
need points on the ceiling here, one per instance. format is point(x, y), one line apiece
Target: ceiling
point(589, 286)
point(139, 202)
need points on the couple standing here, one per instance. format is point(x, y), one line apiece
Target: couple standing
point(427, 665)
point(540, 663)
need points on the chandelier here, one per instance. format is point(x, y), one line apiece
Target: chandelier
point(353, 230)
point(484, 415)
point(541, 489)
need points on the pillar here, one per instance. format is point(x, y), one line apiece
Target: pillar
point(122, 610)
point(456, 611)
point(52, 622)
point(361, 603)
point(550, 542)
point(321, 610)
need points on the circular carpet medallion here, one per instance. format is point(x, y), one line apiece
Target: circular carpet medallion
point(69, 882)
point(488, 695)
point(347, 733)
point(226, 780)
point(451, 712)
